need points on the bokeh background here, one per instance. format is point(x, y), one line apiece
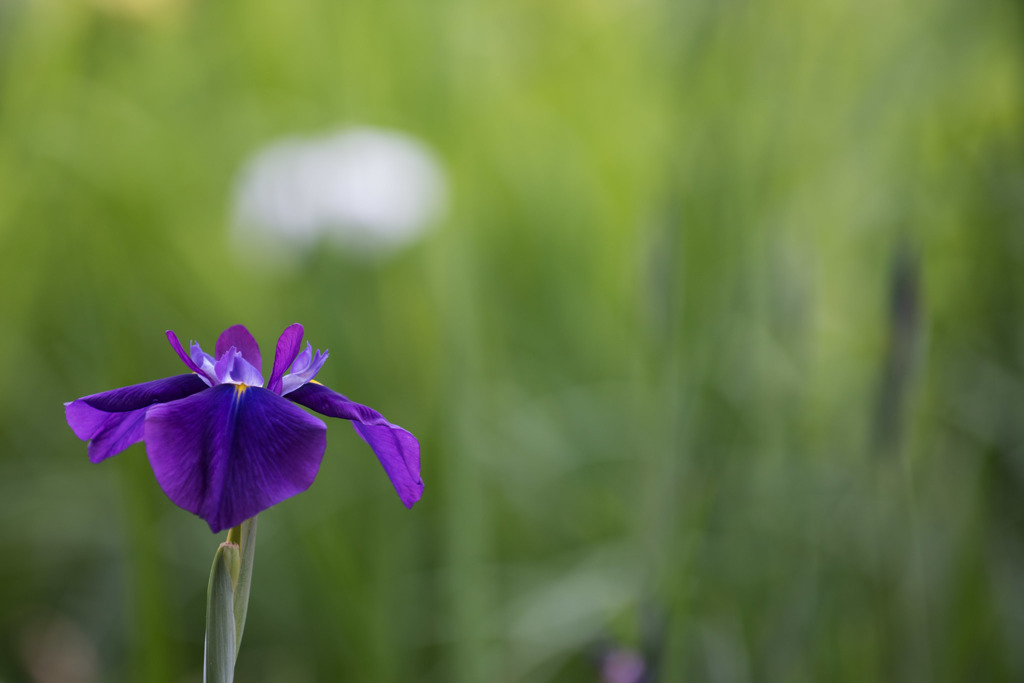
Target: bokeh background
point(715, 351)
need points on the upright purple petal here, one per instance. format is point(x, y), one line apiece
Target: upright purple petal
point(397, 449)
point(228, 453)
point(113, 420)
point(239, 337)
point(176, 345)
point(287, 349)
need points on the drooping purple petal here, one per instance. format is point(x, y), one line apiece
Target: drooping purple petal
point(84, 420)
point(240, 338)
point(144, 395)
point(397, 449)
point(399, 454)
point(288, 346)
point(107, 433)
point(176, 345)
point(228, 453)
point(113, 420)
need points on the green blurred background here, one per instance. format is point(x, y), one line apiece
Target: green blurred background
point(716, 355)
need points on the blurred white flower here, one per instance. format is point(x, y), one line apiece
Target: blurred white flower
point(366, 189)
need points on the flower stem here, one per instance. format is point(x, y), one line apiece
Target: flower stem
point(227, 602)
point(220, 647)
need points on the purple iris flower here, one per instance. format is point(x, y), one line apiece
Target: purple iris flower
point(225, 446)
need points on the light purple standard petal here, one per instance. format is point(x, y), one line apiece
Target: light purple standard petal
point(233, 368)
point(240, 338)
point(304, 369)
point(112, 421)
point(303, 360)
point(228, 453)
point(287, 349)
point(204, 361)
point(396, 448)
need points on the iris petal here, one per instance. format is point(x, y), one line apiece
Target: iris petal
point(287, 349)
point(225, 363)
point(107, 433)
point(113, 420)
point(233, 368)
point(397, 449)
point(203, 361)
point(239, 337)
point(303, 360)
point(230, 452)
point(146, 394)
point(303, 372)
point(176, 345)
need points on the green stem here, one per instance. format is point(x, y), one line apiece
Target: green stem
point(227, 602)
point(221, 632)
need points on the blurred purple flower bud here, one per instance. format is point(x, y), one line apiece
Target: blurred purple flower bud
point(622, 666)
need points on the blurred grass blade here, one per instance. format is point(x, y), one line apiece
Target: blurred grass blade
point(220, 615)
point(241, 598)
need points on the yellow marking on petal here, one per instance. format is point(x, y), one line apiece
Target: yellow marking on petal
point(313, 381)
point(240, 388)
